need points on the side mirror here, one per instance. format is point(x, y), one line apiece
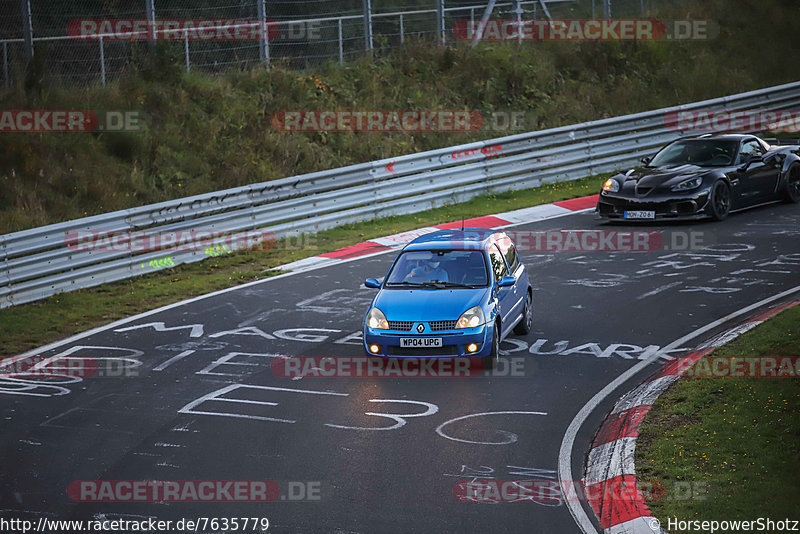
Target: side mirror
point(372, 283)
point(749, 161)
point(506, 281)
point(646, 161)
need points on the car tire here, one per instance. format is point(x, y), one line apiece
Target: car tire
point(720, 200)
point(524, 325)
point(792, 191)
point(491, 359)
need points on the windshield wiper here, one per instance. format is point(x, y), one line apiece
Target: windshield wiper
point(407, 283)
point(453, 284)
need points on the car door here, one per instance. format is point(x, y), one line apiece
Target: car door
point(506, 296)
point(758, 180)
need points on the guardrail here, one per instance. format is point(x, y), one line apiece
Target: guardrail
point(40, 262)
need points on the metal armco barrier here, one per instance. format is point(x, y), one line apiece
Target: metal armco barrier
point(37, 263)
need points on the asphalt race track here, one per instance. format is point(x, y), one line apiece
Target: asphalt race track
point(596, 314)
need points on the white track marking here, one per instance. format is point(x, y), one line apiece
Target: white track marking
point(510, 437)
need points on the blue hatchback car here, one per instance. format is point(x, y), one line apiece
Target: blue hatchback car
point(451, 293)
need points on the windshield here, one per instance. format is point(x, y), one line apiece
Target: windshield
point(439, 268)
point(700, 152)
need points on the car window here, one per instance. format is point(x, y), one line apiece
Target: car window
point(498, 264)
point(419, 267)
point(701, 152)
point(749, 149)
point(509, 252)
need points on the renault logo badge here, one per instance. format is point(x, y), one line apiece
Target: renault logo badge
point(420, 328)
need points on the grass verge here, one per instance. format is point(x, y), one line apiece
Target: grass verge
point(32, 325)
point(736, 442)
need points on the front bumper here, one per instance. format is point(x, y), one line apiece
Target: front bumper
point(696, 206)
point(454, 342)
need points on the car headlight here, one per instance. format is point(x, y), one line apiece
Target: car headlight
point(471, 318)
point(376, 319)
point(611, 185)
point(686, 185)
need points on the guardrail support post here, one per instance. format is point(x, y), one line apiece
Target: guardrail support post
point(102, 61)
point(368, 24)
point(402, 37)
point(27, 29)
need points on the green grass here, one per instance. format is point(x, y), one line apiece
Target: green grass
point(205, 132)
point(32, 325)
point(737, 440)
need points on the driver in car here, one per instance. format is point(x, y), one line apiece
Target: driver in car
point(429, 271)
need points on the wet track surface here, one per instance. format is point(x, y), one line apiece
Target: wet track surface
point(205, 405)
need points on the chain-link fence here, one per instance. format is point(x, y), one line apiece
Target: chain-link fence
point(96, 40)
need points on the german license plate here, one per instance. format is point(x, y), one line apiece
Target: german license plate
point(423, 342)
point(639, 214)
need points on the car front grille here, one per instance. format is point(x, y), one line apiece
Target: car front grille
point(445, 350)
point(442, 325)
point(400, 325)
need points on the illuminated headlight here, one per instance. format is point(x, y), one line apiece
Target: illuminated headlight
point(376, 319)
point(686, 185)
point(611, 185)
point(471, 318)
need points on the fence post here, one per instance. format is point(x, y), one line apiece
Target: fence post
point(341, 46)
point(27, 29)
point(440, 19)
point(484, 19)
point(368, 24)
point(402, 37)
point(518, 12)
point(186, 49)
point(606, 9)
point(102, 61)
point(150, 12)
point(5, 63)
point(263, 45)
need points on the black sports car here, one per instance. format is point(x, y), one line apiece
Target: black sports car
point(706, 176)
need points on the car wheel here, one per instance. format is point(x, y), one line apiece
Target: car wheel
point(491, 359)
point(792, 191)
point(720, 201)
point(524, 325)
